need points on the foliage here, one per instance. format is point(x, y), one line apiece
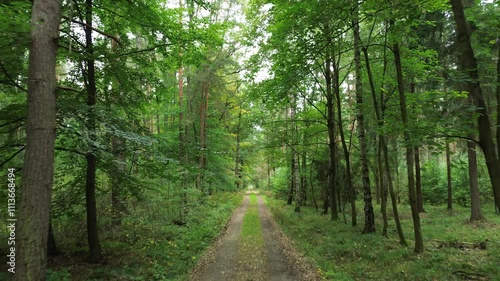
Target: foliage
point(149, 245)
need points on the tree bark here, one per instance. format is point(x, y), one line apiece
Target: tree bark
point(475, 200)
point(90, 198)
point(448, 177)
point(419, 243)
point(38, 169)
point(295, 155)
point(331, 143)
point(347, 159)
point(369, 226)
point(52, 249)
point(418, 181)
point(468, 64)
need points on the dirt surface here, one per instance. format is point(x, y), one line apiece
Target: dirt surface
point(233, 259)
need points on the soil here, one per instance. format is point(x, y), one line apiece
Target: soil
point(233, 260)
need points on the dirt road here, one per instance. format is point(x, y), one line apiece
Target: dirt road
point(234, 258)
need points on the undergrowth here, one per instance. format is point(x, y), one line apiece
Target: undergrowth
point(341, 252)
point(148, 246)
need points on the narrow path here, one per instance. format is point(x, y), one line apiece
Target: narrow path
point(236, 258)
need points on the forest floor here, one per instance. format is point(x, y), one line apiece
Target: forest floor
point(253, 248)
point(455, 249)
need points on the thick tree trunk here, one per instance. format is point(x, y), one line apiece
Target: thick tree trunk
point(90, 198)
point(468, 64)
point(369, 215)
point(38, 169)
point(419, 243)
point(475, 200)
point(498, 99)
point(448, 177)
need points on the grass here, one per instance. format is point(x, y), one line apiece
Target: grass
point(148, 246)
point(341, 252)
point(251, 251)
point(251, 229)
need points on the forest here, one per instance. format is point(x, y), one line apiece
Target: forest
point(250, 140)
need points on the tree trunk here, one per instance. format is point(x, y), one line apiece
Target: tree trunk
point(468, 64)
point(203, 145)
point(117, 204)
point(350, 186)
point(394, 200)
point(52, 249)
point(118, 149)
point(295, 155)
point(448, 177)
point(418, 181)
point(331, 143)
point(38, 169)
point(369, 215)
point(238, 171)
point(383, 187)
point(419, 243)
point(303, 176)
point(90, 199)
point(475, 200)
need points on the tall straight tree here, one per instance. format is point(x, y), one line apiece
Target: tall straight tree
point(38, 170)
point(469, 65)
point(419, 243)
point(90, 187)
point(369, 216)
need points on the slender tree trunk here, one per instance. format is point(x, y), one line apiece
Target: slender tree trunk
point(369, 215)
point(297, 192)
point(383, 188)
point(475, 200)
point(303, 176)
point(238, 172)
point(315, 203)
point(394, 200)
point(418, 181)
point(419, 243)
point(52, 249)
point(203, 145)
point(331, 143)
point(469, 64)
point(118, 149)
point(117, 204)
point(90, 198)
point(350, 186)
point(379, 111)
point(38, 169)
point(448, 176)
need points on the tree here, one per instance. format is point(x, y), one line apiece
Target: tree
point(38, 170)
point(469, 65)
point(419, 243)
point(475, 200)
point(369, 226)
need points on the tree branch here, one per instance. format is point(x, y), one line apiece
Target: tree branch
point(14, 155)
point(116, 39)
